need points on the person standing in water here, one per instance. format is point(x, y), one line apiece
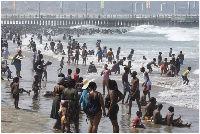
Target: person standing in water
point(134, 92)
point(61, 64)
point(17, 62)
point(181, 57)
point(106, 72)
point(147, 81)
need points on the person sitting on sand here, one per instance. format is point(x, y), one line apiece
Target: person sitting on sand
point(175, 122)
point(157, 117)
point(143, 101)
point(150, 107)
point(137, 121)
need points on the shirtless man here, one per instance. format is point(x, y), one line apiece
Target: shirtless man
point(134, 92)
point(157, 117)
point(181, 57)
point(125, 83)
point(164, 66)
point(150, 107)
point(174, 122)
point(150, 63)
point(120, 62)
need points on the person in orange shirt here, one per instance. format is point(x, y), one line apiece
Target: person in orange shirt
point(110, 55)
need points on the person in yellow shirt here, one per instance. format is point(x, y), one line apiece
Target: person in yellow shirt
point(184, 76)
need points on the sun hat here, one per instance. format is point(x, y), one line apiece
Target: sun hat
point(86, 83)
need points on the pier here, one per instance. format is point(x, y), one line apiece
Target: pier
point(105, 21)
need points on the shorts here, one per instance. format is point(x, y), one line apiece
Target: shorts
point(76, 57)
point(181, 61)
point(114, 112)
point(147, 87)
point(185, 78)
point(127, 87)
point(133, 97)
point(149, 66)
point(109, 58)
point(163, 68)
point(16, 96)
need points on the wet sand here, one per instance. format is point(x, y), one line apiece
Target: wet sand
point(42, 106)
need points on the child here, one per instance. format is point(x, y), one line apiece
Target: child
point(137, 122)
point(36, 86)
point(184, 76)
point(174, 122)
point(143, 98)
point(63, 114)
point(15, 91)
point(61, 64)
point(9, 73)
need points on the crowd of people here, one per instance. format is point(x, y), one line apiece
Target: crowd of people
point(73, 94)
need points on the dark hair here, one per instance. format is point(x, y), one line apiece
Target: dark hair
point(16, 79)
point(61, 75)
point(77, 70)
point(189, 68)
point(142, 69)
point(152, 99)
point(114, 62)
point(154, 59)
point(72, 83)
point(160, 106)
point(144, 92)
point(171, 109)
point(69, 71)
point(7, 67)
point(80, 79)
point(40, 56)
point(134, 72)
point(92, 85)
point(138, 113)
point(112, 84)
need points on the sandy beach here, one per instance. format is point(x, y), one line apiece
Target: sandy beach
point(22, 120)
point(33, 117)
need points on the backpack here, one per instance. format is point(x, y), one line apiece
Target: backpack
point(90, 108)
point(107, 101)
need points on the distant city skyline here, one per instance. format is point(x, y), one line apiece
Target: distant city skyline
point(100, 8)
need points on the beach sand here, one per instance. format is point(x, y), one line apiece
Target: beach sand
point(22, 120)
point(34, 115)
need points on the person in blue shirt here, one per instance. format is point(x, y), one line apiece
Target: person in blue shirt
point(9, 73)
point(83, 100)
point(100, 54)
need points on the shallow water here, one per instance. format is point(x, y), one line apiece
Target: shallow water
point(43, 104)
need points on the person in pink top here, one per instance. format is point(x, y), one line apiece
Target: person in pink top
point(106, 72)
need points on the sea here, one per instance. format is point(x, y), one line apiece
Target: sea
point(148, 41)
